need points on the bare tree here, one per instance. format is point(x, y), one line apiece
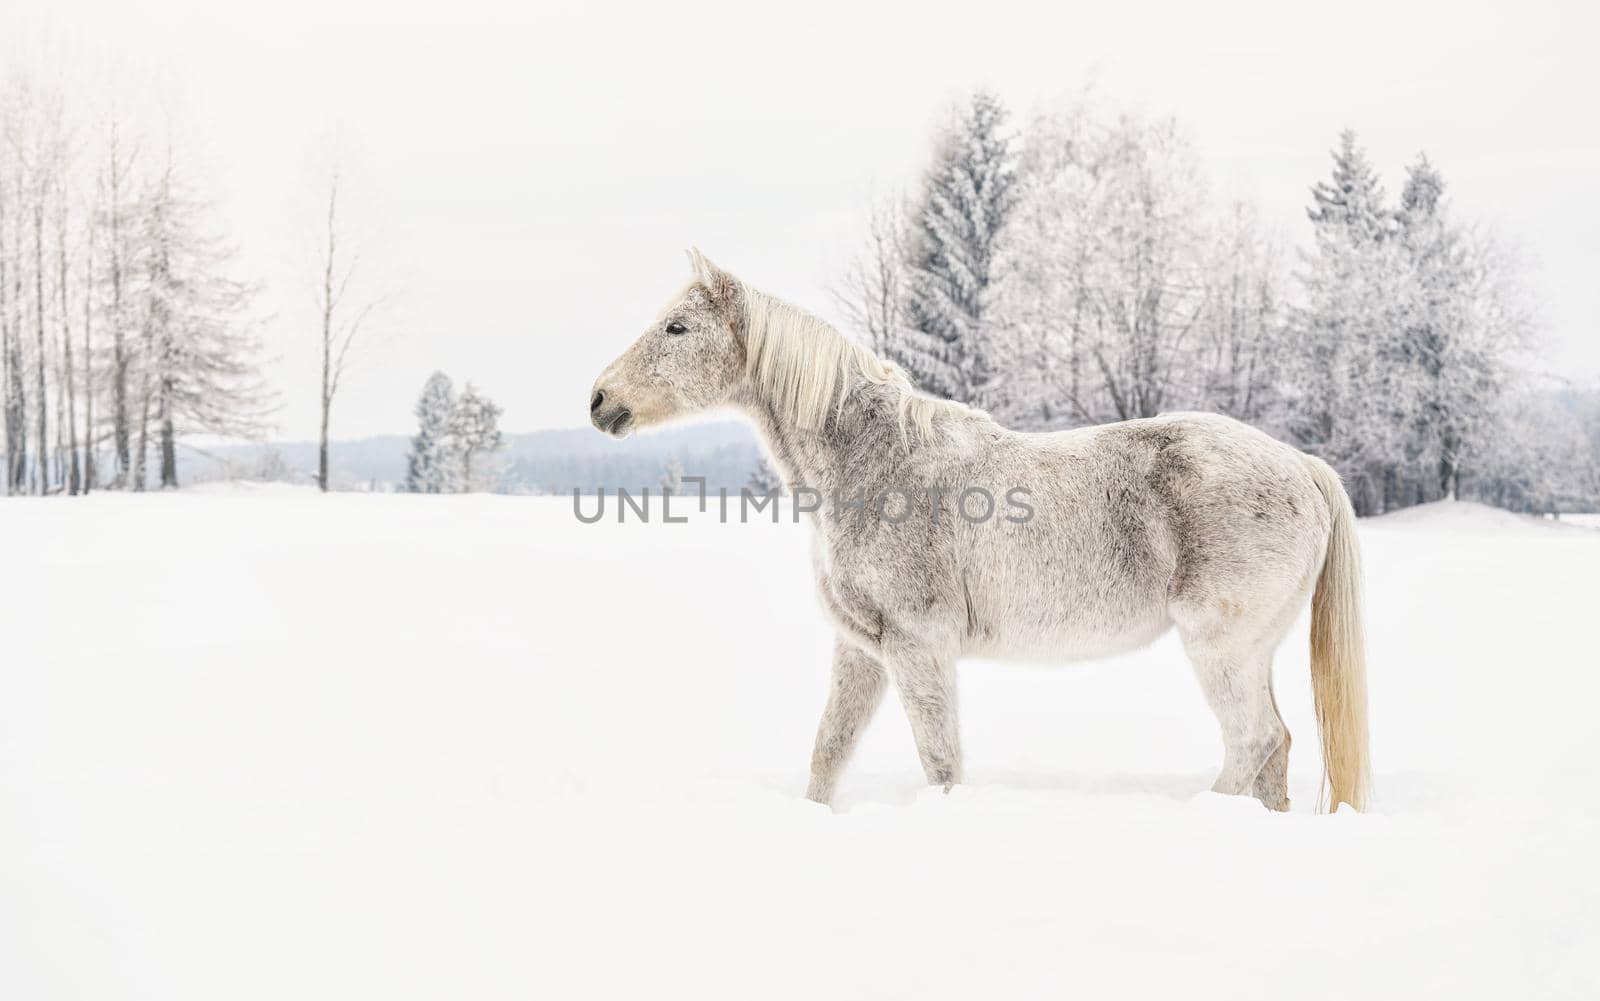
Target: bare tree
point(343, 314)
point(198, 372)
point(67, 394)
point(872, 292)
point(118, 165)
point(42, 467)
point(89, 443)
point(35, 123)
point(10, 347)
point(1243, 322)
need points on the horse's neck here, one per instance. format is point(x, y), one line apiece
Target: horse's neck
point(861, 444)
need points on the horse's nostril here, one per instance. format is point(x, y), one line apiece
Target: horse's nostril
point(599, 398)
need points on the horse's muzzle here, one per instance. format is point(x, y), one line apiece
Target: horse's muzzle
point(616, 421)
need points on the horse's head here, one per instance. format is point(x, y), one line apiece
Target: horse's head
point(690, 358)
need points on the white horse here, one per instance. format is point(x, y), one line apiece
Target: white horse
point(1193, 521)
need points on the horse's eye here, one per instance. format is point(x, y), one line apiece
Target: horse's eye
point(676, 328)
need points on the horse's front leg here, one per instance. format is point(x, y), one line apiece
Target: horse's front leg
point(853, 696)
point(927, 686)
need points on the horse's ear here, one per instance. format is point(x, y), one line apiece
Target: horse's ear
point(722, 287)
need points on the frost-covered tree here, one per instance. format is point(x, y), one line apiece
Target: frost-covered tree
point(199, 354)
point(965, 198)
point(671, 476)
point(1243, 324)
point(1118, 291)
point(1147, 269)
point(1116, 288)
point(454, 436)
point(434, 464)
point(872, 292)
point(1405, 333)
point(11, 344)
point(43, 163)
point(91, 238)
point(1434, 337)
point(1462, 320)
point(1348, 369)
point(114, 222)
point(67, 394)
point(1544, 453)
point(475, 429)
point(1037, 305)
point(764, 479)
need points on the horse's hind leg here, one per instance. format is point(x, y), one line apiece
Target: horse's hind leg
point(1272, 782)
point(927, 686)
point(853, 696)
point(1237, 681)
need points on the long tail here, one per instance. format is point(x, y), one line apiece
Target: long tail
point(1339, 655)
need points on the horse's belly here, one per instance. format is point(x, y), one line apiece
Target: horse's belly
point(1062, 635)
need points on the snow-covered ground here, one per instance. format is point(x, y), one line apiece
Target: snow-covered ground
point(266, 744)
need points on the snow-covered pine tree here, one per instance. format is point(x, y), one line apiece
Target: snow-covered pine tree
point(1456, 375)
point(433, 466)
point(1352, 200)
point(476, 430)
point(966, 196)
point(1352, 406)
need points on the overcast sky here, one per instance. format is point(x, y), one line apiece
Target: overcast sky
point(530, 177)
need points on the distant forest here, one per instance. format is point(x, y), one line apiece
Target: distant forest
point(538, 462)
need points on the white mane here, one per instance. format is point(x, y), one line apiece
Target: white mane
point(802, 365)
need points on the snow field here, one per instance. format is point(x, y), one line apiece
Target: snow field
point(263, 743)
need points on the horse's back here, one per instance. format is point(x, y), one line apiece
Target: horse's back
point(1246, 510)
point(1134, 518)
point(1242, 508)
